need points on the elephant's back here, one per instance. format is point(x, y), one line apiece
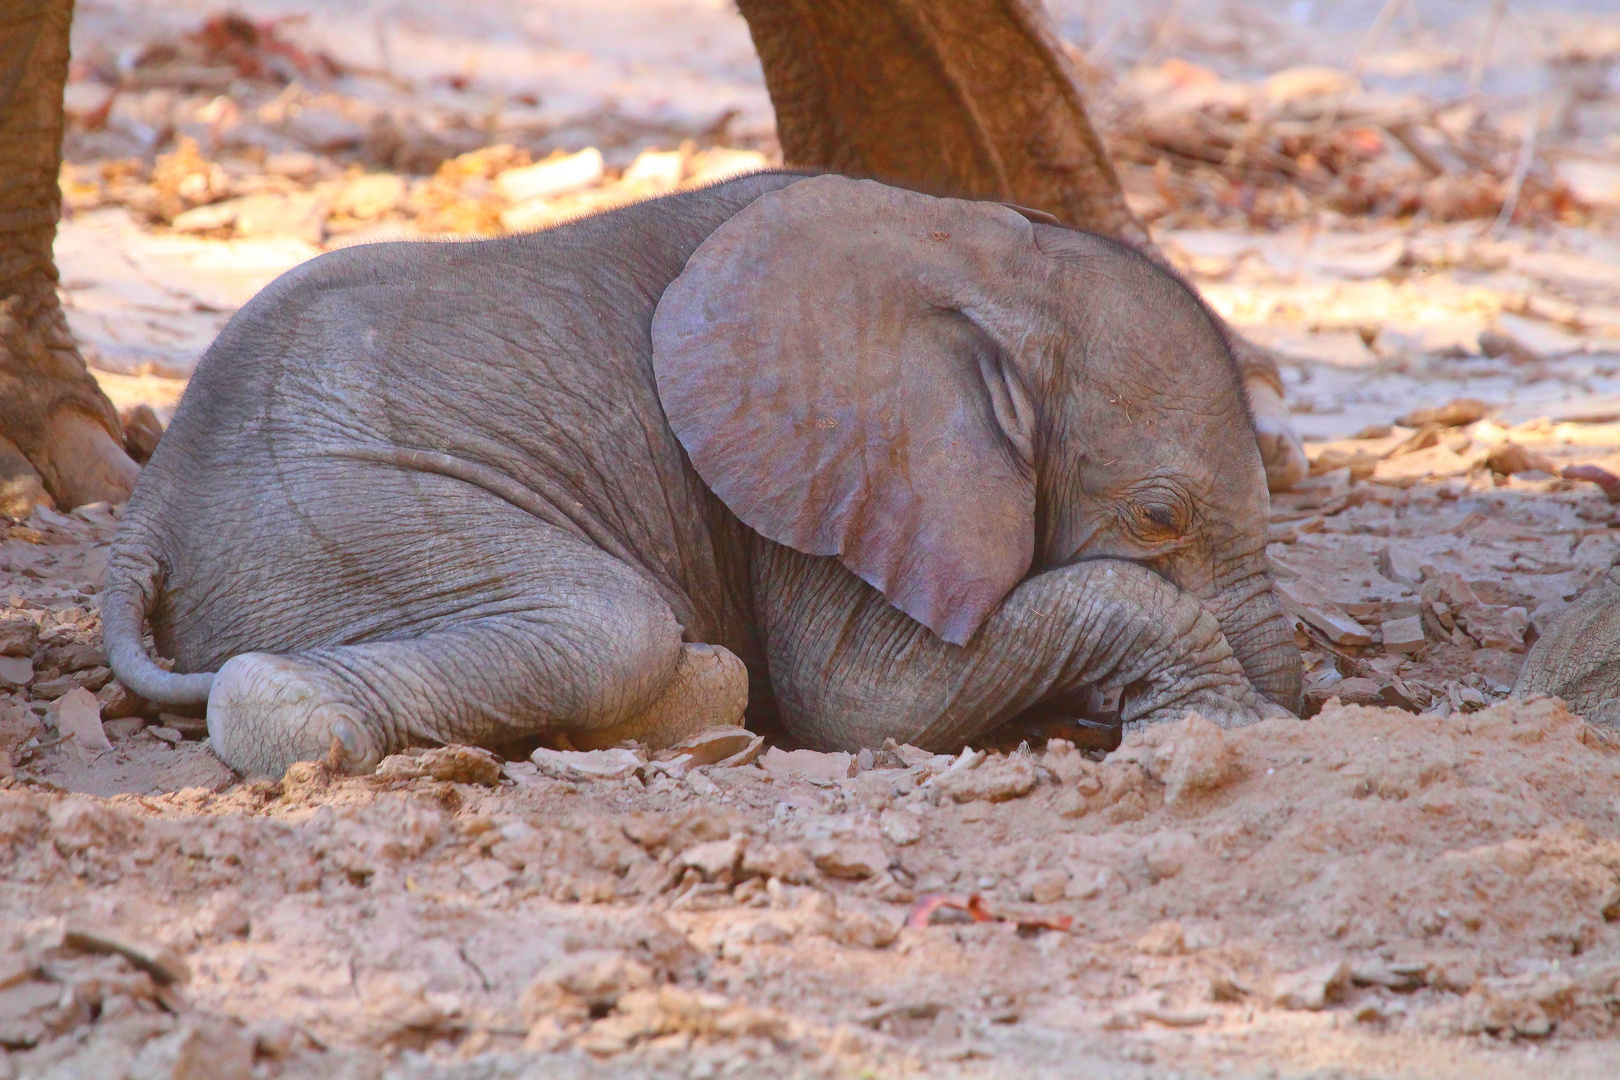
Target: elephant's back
point(526, 359)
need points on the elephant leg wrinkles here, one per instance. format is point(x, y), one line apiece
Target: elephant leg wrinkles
point(475, 623)
point(850, 670)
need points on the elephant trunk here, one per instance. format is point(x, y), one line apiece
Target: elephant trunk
point(1261, 636)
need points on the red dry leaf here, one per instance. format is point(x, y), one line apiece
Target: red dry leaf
point(1603, 478)
point(922, 913)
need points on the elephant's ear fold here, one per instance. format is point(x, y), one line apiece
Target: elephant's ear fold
point(837, 361)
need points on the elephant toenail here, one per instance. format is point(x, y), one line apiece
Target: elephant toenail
point(348, 733)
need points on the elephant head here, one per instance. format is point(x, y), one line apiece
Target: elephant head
point(949, 397)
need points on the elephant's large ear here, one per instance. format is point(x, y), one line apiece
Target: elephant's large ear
point(836, 361)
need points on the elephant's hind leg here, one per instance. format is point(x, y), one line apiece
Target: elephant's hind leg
point(592, 647)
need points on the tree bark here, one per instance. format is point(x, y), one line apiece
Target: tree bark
point(56, 426)
point(971, 98)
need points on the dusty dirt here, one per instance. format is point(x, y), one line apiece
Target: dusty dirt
point(1366, 893)
point(1420, 880)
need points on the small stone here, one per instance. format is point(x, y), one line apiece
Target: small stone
point(553, 177)
point(486, 875)
point(1357, 691)
point(207, 218)
point(462, 765)
point(1497, 627)
point(1403, 635)
point(1088, 880)
point(849, 857)
point(595, 978)
point(123, 728)
point(18, 637)
point(118, 701)
point(1187, 756)
point(1044, 886)
point(294, 164)
point(192, 727)
point(900, 827)
point(372, 196)
point(1198, 758)
point(1305, 603)
point(164, 965)
point(16, 672)
point(1534, 338)
point(716, 746)
point(275, 1038)
point(721, 163)
point(808, 765)
point(266, 214)
point(1458, 412)
point(1166, 854)
point(716, 860)
point(1065, 762)
point(1312, 988)
point(991, 779)
point(214, 1050)
point(51, 689)
point(675, 768)
point(406, 766)
point(874, 790)
point(1163, 939)
point(616, 764)
point(17, 726)
point(325, 131)
point(785, 862)
point(93, 679)
point(78, 714)
point(656, 170)
point(1509, 459)
point(167, 734)
point(78, 657)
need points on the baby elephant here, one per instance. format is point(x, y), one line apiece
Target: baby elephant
point(872, 462)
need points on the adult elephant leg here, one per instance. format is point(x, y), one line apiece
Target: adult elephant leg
point(850, 670)
point(974, 98)
point(68, 440)
point(592, 649)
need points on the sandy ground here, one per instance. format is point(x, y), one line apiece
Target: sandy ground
point(1420, 880)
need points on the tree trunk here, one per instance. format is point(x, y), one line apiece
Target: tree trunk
point(973, 98)
point(56, 426)
point(962, 97)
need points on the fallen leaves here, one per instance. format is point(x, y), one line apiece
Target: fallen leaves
point(926, 912)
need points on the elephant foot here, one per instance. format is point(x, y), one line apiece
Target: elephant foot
point(1578, 659)
point(21, 489)
point(85, 462)
point(267, 711)
point(1281, 449)
point(710, 689)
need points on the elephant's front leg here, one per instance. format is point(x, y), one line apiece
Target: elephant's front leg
point(850, 670)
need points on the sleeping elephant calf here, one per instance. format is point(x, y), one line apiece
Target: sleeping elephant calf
point(911, 465)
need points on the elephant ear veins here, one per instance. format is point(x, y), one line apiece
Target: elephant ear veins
point(824, 360)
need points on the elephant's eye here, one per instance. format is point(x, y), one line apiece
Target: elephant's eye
point(1155, 523)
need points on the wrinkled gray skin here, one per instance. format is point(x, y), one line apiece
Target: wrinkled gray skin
point(1579, 658)
point(428, 491)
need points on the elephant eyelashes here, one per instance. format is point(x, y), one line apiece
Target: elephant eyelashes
point(1155, 523)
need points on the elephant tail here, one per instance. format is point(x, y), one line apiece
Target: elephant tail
point(132, 583)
